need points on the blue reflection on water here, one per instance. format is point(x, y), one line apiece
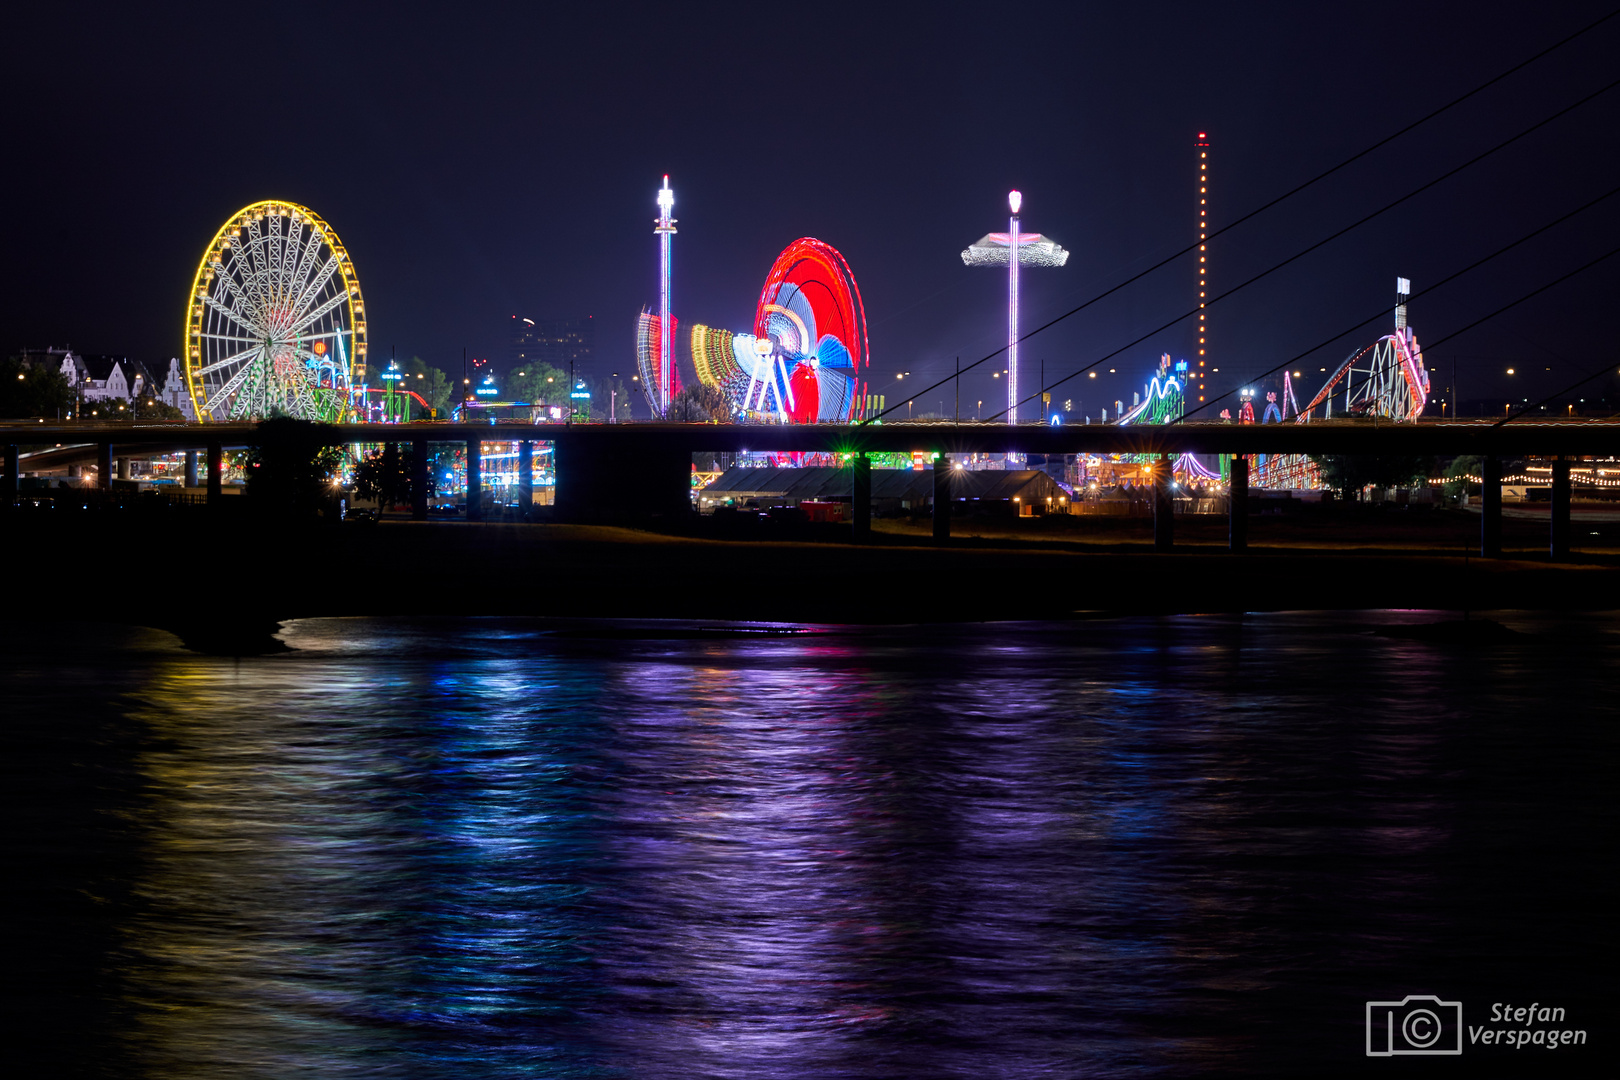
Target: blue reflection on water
point(1149, 847)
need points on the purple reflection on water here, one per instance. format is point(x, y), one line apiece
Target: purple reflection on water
point(1171, 847)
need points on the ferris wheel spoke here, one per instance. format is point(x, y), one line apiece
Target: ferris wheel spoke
point(292, 255)
point(254, 247)
point(278, 248)
point(305, 399)
point(313, 279)
point(233, 385)
point(272, 246)
point(306, 261)
point(234, 358)
point(332, 303)
point(312, 290)
point(231, 314)
point(264, 287)
point(241, 297)
point(254, 399)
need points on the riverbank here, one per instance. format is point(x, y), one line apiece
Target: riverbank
point(224, 585)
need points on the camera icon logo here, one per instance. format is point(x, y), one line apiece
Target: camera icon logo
point(1416, 1024)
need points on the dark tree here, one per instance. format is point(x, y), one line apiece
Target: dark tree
point(700, 404)
point(385, 477)
point(28, 390)
point(1348, 474)
point(292, 467)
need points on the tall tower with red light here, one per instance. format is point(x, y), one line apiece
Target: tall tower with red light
point(1203, 258)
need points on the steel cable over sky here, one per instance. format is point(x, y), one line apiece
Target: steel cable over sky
point(1579, 382)
point(1267, 206)
point(1306, 251)
point(1482, 319)
point(1384, 311)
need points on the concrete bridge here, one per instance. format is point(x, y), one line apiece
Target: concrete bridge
point(601, 468)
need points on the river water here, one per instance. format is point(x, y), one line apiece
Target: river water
point(1170, 846)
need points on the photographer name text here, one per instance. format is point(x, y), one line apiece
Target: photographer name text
point(1522, 1034)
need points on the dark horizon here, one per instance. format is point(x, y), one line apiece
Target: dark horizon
point(497, 164)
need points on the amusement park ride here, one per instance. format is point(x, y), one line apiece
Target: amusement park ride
point(803, 362)
point(1383, 381)
point(1012, 249)
point(275, 321)
point(276, 325)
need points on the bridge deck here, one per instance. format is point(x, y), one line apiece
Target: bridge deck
point(1519, 437)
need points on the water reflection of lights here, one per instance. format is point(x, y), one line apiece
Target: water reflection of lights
point(496, 847)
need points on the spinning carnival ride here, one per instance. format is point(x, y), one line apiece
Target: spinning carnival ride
point(805, 359)
point(275, 322)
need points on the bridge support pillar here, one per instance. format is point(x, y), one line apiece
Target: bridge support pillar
point(1164, 509)
point(191, 468)
point(860, 504)
point(942, 498)
point(104, 466)
point(620, 475)
point(419, 479)
point(216, 472)
point(1238, 504)
point(475, 479)
point(525, 479)
point(13, 468)
point(123, 468)
point(1558, 546)
point(390, 469)
point(1490, 520)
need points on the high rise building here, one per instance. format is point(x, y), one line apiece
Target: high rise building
point(558, 342)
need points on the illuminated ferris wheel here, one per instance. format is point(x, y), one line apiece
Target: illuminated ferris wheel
point(275, 323)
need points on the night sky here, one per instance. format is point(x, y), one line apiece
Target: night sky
point(486, 162)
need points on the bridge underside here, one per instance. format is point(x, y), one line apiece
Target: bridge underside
point(640, 472)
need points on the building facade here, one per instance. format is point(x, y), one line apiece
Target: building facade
point(558, 342)
point(117, 379)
